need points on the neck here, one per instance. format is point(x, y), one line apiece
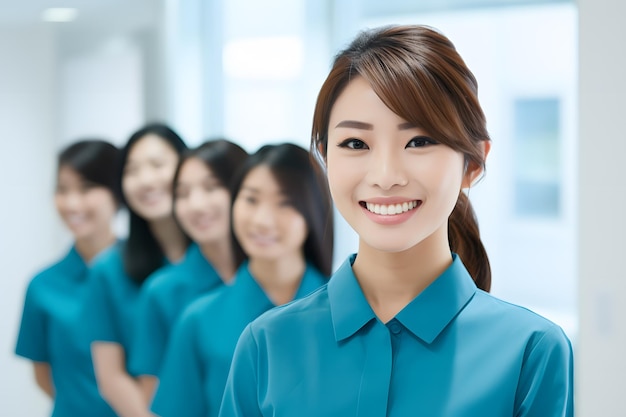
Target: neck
point(280, 278)
point(89, 247)
point(220, 255)
point(169, 237)
point(390, 281)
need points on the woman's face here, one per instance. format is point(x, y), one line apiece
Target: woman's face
point(392, 183)
point(147, 177)
point(202, 203)
point(86, 209)
point(265, 221)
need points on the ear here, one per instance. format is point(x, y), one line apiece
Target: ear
point(474, 171)
point(320, 150)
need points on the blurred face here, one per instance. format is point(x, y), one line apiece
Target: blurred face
point(265, 222)
point(202, 203)
point(147, 177)
point(393, 183)
point(86, 209)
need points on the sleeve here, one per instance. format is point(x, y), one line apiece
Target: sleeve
point(546, 383)
point(33, 333)
point(241, 394)
point(181, 381)
point(151, 335)
point(99, 311)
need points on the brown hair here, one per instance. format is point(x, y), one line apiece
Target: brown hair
point(417, 72)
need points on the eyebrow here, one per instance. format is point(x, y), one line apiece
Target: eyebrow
point(367, 126)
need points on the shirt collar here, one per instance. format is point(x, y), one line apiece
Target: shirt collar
point(245, 282)
point(426, 316)
point(435, 307)
point(349, 308)
point(74, 264)
point(195, 261)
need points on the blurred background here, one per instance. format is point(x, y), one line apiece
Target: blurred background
point(250, 71)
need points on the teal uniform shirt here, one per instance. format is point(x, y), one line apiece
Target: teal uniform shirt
point(198, 358)
point(454, 351)
point(111, 302)
point(161, 300)
point(50, 332)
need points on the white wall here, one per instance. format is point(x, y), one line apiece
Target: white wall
point(601, 360)
point(28, 224)
point(49, 98)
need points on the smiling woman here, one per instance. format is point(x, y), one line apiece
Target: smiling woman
point(403, 327)
point(282, 220)
point(202, 203)
point(147, 167)
point(50, 331)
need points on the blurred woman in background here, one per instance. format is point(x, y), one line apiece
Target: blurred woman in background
point(282, 221)
point(148, 163)
point(202, 203)
point(49, 335)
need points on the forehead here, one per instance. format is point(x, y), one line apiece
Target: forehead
point(261, 180)
point(67, 173)
point(195, 167)
point(358, 101)
point(150, 145)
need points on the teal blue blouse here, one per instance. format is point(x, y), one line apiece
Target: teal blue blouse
point(161, 299)
point(453, 351)
point(50, 332)
point(111, 302)
point(192, 379)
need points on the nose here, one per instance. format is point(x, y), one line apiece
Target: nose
point(263, 216)
point(387, 169)
point(72, 201)
point(197, 200)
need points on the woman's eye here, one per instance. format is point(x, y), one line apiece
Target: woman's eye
point(357, 144)
point(420, 141)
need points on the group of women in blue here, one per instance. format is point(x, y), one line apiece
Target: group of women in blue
point(218, 302)
point(181, 245)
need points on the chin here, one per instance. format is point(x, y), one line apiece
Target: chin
point(387, 245)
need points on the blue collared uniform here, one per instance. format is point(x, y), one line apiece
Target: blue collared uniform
point(111, 302)
point(198, 358)
point(454, 351)
point(50, 332)
point(161, 300)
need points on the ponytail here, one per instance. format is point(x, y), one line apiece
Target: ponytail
point(464, 238)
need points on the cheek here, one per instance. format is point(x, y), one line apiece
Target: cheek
point(59, 203)
point(181, 208)
point(298, 228)
point(128, 187)
point(166, 174)
point(103, 204)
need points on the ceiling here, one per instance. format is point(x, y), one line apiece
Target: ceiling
point(90, 12)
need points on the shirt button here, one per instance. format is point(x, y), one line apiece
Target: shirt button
point(395, 327)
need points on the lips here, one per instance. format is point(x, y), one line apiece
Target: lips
point(262, 240)
point(391, 209)
point(152, 197)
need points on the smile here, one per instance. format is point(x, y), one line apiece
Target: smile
point(391, 209)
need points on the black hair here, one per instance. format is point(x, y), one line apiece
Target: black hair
point(142, 254)
point(95, 160)
point(220, 155)
point(304, 183)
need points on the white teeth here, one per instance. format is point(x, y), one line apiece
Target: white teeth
point(390, 210)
